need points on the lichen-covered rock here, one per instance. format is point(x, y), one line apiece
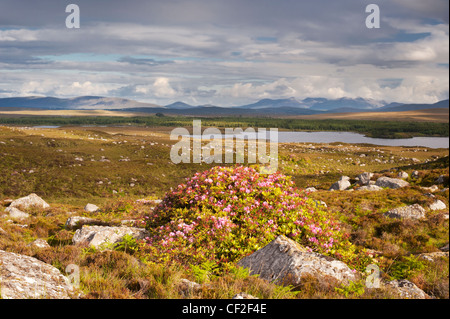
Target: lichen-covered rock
point(16, 213)
point(369, 188)
point(408, 212)
point(364, 178)
point(393, 183)
point(342, 184)
point(407, 289)
point(29, 201)
point(91, 208)
point(39, 243)
point(286, 262)
point(438, 205)
point(24, 277)
point(101, 236)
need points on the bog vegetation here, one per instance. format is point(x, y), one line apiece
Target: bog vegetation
point(212, 216)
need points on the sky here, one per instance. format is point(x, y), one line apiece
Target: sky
point(226, 52)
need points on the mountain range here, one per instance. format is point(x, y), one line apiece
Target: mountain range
point(264, 107)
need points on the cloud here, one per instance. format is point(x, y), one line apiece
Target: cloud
point(226, 52)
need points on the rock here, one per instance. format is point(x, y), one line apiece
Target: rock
point(415, 174)
point(403, 175)
point(77, 221)
point(407, 289)
point(393, 183)
point(29, 201)
point(369, 188)
point(39, 243)
point(408, 212)
point(440, 179)
point(286, 262)
point(445, 248)
point(311, 189)
point(24, 277)
point(438, 205)
point(91, 208)
point(188, 287)
point(434, 256)
point(99, 236)
point(431, 189)
point(243, 295)
point(364, 178)
point(342, 184)
point(15, 213)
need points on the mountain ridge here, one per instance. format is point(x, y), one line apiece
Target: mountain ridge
point(263, 107)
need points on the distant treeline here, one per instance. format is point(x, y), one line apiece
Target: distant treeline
point(381, 129)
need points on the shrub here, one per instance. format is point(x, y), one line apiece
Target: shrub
point(226, 213)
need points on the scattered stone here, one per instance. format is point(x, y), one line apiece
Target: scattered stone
point(39, 243)
point(393, 183)
point(286, 262)
point(29, 201)
point(434, 256)
point(415, 174)
point(364, 178)
point(311, 189)
point(15, 213)
point(98, 236)
point(24, 277)
point(407, 289)
point(369, 188)
point(438, 205)
point(408, 212)
point(243, 295)
point(403, 175)
point(445, 248)
point(342, 184)
point(440, 179)
point(91, 208)
point(188, 287)
point(431, 189)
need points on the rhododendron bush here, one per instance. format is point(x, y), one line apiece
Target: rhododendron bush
point(226, 213)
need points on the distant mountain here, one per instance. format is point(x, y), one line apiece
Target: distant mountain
point(225, 111)
point(264, 107)
point(78, 103)
point(414, 107)
point(269, 103)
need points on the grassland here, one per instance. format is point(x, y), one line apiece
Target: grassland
point(114, 166)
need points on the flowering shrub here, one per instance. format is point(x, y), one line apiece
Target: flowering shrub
point(226, 213)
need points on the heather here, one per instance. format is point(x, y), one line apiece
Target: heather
point(226, 213)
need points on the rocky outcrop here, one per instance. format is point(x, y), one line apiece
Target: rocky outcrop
point(342, 184)
point(408, 212)
point(24, 277)
point(389, 182)
point(29, 201)
point(407, 290)
point(286, 262)
point(105, 236)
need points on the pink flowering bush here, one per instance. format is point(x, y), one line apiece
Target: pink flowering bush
point(226, 213)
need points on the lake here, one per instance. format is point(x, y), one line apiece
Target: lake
point(348, 137)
